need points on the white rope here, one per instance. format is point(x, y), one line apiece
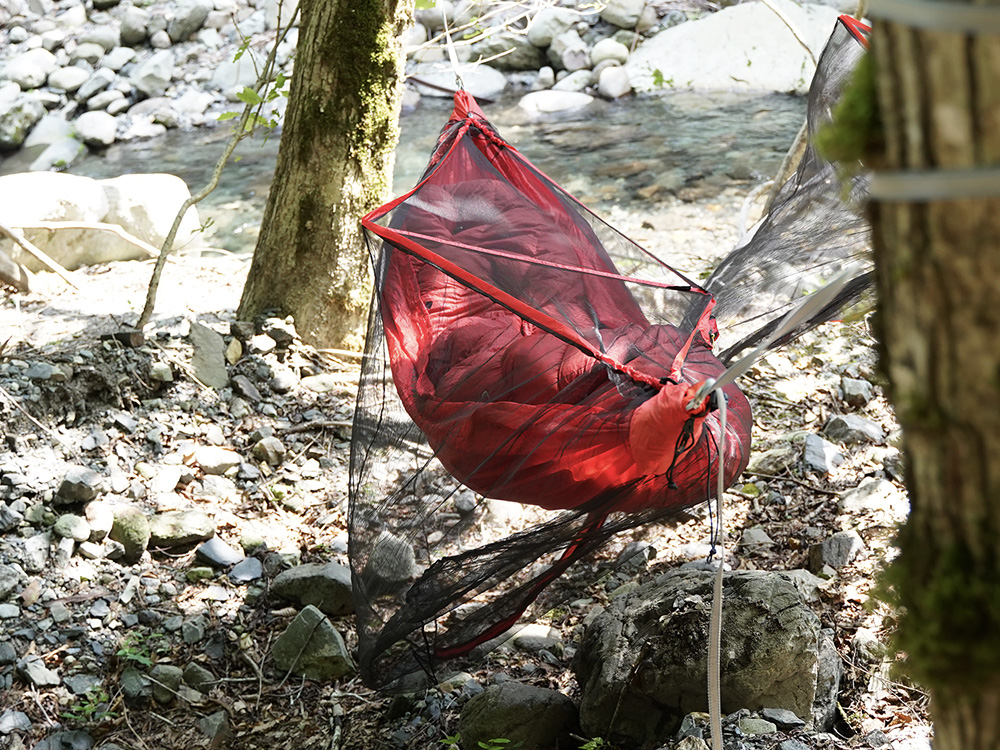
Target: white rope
point(453, 57)
point(802, 312)
point(938, 16)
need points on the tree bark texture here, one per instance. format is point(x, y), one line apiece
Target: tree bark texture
point(334, 165)
point(938, 275)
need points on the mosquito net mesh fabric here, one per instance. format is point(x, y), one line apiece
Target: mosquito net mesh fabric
point(815, 227)
point(520, 350)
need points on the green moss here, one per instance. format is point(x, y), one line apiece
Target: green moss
point(855, 133)
point(949, 608)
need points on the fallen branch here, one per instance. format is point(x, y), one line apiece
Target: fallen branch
point(151, 251)
point(18, 237)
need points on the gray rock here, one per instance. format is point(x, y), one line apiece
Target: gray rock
point(853, 429)
point(875, 496)
point(751, 726)
point(198, 677)
point(569, 52)
point(215, 460)
point(807, 584)
point(829, 671)
point(133, 26)
point(755, 536)
point(324, 586)
point(613, 83)
point(193, 630)
point(269, 449)
point(535, 637)
point(312, 647)
point(216, 728)
point(792, 745)
point(14, 721)
point(166, 679)
point(80, 484)
point(9, 611)
point(160, 39)
point(76, 739)
point(856, 392)
point(58, 155)
point(131, 530)
point(97, 83)
point(216, 552)
point(8, 655)
point(623, 13)
point(770, 653)
point(188, 18)
point(532, 718)
point(72, 526)
point(549, 23)
point(9, 518)
point(774, 460)
point(783, 719)
point(866, 647)
point(33, 669)
point(152, 76)
point(161, 372)
point(836, 551)
point(80, 683)
point(134, 684)
point(17, 119)
point(68, 79)
point(96, 129)
point(391, 560)
point(209, 357)
point(9, 578)
point(821, 455)
point(250, 569)
point(177, 528)
point(518, 53)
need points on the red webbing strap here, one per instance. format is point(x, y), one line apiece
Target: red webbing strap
point(857, 29)
point(542, 320)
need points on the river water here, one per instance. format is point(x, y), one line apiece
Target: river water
point(627, 155)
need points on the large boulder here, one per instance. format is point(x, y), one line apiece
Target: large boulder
point(529, 717)
point(745, 47)
point(643, 662)
point(143, 204)
point(17, 117)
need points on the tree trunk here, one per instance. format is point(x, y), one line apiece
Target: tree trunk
point(334, 165)
point(938, 274)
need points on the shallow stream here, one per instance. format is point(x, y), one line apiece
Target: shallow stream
point(629, 154)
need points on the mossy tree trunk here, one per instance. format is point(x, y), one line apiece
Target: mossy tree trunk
point(938, 271)
point(334, 165)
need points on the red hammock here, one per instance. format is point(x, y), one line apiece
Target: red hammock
point(541, 357)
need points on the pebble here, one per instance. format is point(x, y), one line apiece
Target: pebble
point(216, 552)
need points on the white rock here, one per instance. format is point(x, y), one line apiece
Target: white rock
point(193, 101)
point(744, 47)
point(73, 17)
point(58, 155)
point(549, 23)
point(53, 39)
point(152, 76)
point(117, 106)
point(434, 18)
point(608, 49)
point(134, 23)
point(108, 37)
point(142, 127)
point(17, 119)
point(547, 102)
point(92, 52)
point(104, 98)
point(271, 13)
point(546, 79)
point(30, 69)
point(145, 204)
point(48, 130)
point(569, 52)
point(96, 129)
point(623, 13)
point(578, 80)
point(67, 79)
point(231, 77)
point(160, 40)
point(117, 58)
point(613, 82)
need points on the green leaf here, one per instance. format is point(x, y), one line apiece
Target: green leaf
point(249, 96)
point(228, 116)
point(424, 4)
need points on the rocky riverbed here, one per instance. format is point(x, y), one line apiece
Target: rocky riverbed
point(172, 521)
point(78, 75)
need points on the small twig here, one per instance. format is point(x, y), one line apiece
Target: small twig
point(793, 479)
point(316, 424)
point(23, 242)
